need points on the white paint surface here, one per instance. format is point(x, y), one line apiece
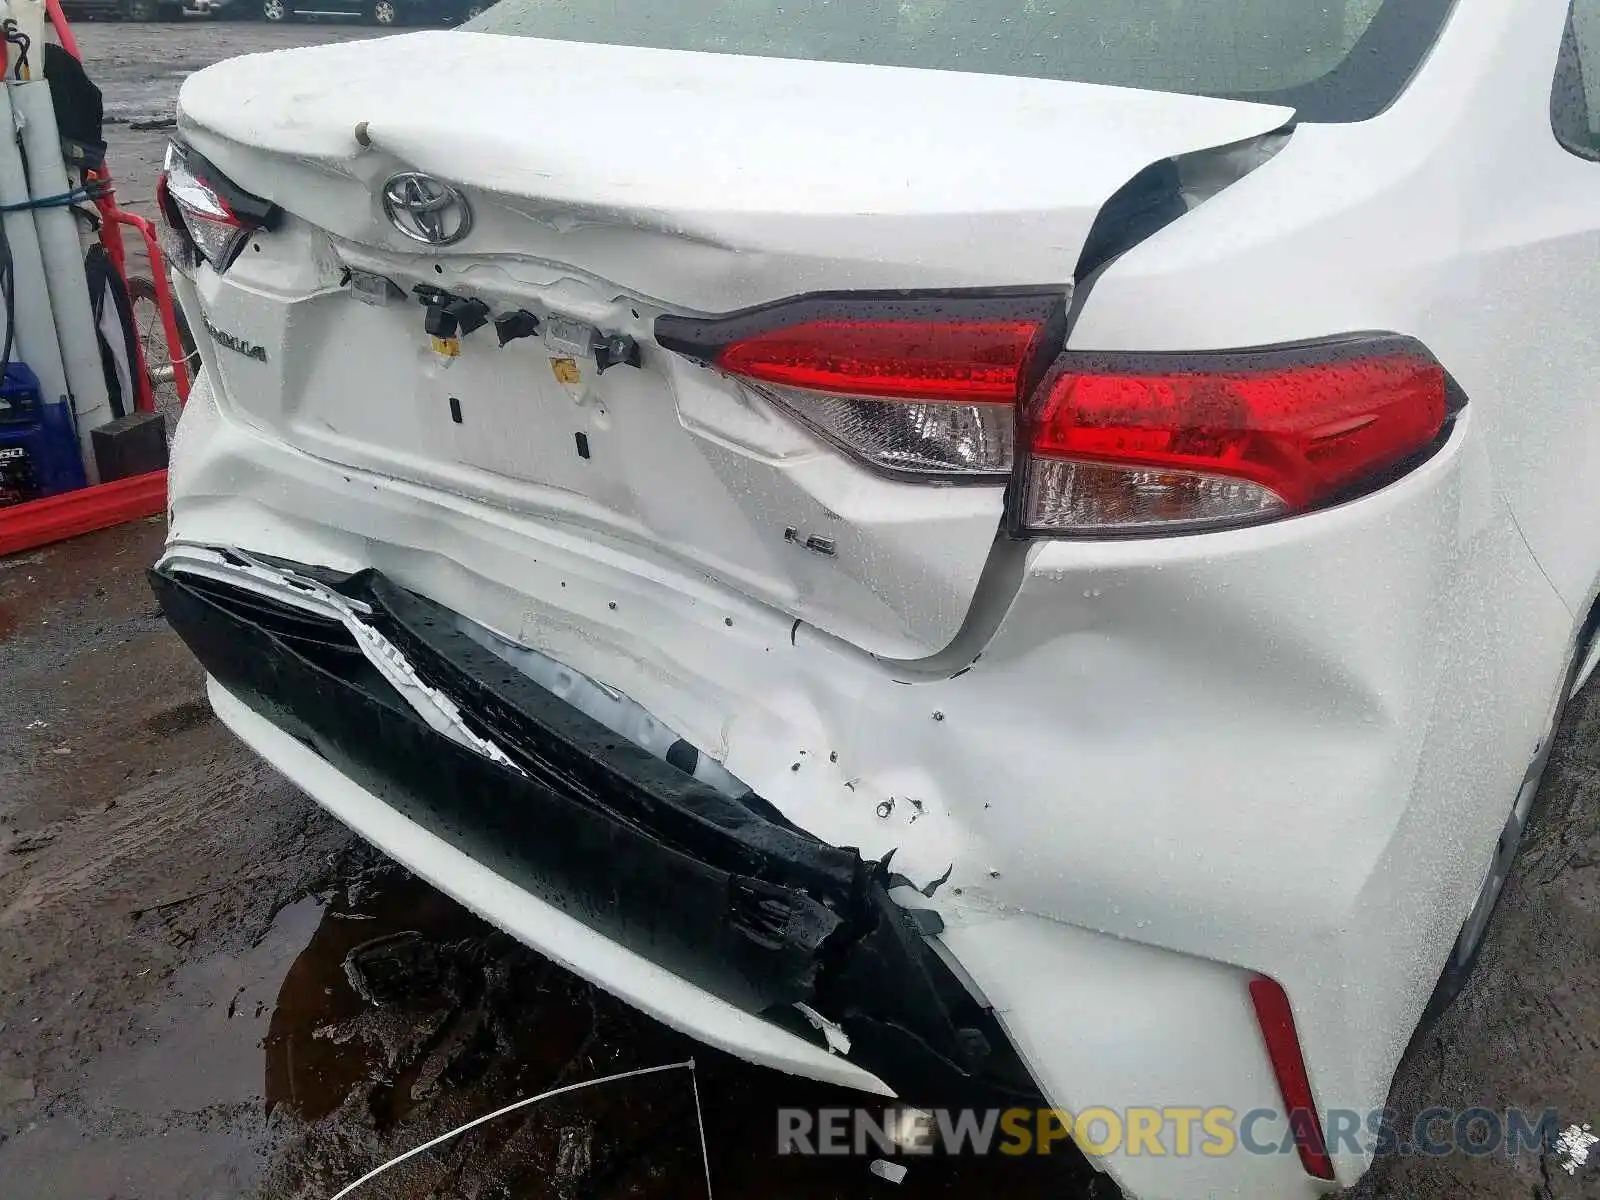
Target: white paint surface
point(1285, 750)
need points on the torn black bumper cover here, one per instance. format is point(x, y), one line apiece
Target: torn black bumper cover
point(724, 892)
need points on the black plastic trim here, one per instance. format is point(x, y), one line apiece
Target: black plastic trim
point(722, 891)
point(1343, 347)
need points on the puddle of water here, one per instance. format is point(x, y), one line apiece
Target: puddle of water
point(313, 1061)
point(367, 1023)
point(201, 1048)
point(405, 1016)
point(171, 1106)
point(468, 1021)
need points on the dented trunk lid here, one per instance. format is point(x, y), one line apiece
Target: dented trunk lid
point(610, 185)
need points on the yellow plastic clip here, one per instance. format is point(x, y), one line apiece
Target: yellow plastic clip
point(447, 347)
point(566, 370)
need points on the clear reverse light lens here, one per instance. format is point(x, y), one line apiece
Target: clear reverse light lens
point(931, 439)
point(1078, 497)
point(215, 229)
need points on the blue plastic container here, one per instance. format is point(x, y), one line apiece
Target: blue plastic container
point(38, 444)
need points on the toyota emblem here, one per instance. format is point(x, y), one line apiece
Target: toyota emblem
point(426, 209)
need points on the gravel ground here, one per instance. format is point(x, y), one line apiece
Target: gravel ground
point(176, 1020)
point(140, 67)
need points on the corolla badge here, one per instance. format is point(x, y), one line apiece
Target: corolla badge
point(426, 209)
point(232, 341)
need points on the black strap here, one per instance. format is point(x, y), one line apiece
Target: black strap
point(105, 282)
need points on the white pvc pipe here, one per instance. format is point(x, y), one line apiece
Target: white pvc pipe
point(35, 324)
point(61, 250)
point(29, 15)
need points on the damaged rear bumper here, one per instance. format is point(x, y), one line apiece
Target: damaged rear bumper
point(357, 676)
point(1178, 763)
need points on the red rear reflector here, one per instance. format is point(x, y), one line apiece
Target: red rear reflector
point(1301, 429)
point(1276, 1019)
point(961, 361)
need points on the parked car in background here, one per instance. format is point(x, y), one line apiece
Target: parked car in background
point(946, 546)
point(377, 12)
point(127, 10)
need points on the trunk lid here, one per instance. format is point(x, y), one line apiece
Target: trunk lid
point(613, 184)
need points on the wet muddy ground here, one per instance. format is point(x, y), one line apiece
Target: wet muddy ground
point(208, 989)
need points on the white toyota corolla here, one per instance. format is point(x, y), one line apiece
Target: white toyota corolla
point(948, 547)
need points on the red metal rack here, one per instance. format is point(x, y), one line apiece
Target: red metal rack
point(39, 522)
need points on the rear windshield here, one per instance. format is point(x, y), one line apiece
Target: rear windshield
point(1333, 60)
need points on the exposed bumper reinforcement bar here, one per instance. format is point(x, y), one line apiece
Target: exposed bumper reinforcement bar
point(722, 891)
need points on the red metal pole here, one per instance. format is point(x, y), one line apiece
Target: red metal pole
point(64, 35)
point(169, 316)
point(112, 219)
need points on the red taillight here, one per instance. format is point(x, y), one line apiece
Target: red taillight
point(943, 388)
point(1276, 1020)
point(922, 387)
point(952, 360)
point(205, 216)
point(1221, 439)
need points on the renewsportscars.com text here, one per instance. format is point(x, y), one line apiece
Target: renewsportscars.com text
point(1170, 1130)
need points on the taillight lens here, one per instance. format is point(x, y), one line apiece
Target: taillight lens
point(974, 389)
point(924, 388)
point(205, 216)
point(1168, 443)
point(961, 361)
